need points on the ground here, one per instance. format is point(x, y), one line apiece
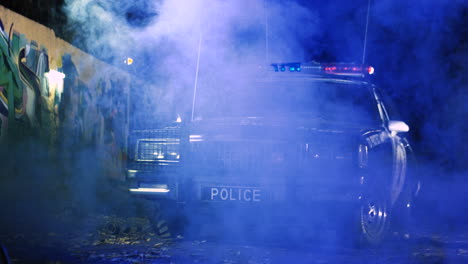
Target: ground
point(44, 225)
point(132, 240)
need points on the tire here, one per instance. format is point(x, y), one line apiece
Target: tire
point(166, 219)
point(161, 226)
point(374, 217)
point(379, 220)
point(375, 209)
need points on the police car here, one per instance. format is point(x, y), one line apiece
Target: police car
point(285, 146)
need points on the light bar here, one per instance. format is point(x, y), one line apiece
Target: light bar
point(150, 190)
point(347, 69)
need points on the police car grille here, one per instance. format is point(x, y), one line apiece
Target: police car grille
point(243, 155)
point(141, 155)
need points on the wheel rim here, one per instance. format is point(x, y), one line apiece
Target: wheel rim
point(374, 218)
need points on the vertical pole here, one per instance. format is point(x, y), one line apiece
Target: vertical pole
point(267, 55)
point(196, 76)
point(127, 127)
point(365, 34)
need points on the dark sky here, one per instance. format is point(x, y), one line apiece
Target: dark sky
point(419, 50)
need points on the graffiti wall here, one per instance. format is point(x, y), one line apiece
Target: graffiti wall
point(58, 95)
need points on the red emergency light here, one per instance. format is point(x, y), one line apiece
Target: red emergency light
point(348, 69)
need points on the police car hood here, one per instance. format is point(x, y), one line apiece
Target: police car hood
point(264, 126)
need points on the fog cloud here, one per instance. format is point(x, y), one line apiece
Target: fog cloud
point(164, 37)
point(415, 46)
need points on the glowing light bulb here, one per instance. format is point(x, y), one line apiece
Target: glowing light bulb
point(128, 61)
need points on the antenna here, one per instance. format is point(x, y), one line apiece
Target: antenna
point(365, 34)
point(267, 55)
point(196, 75)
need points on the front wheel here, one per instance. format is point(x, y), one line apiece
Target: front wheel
point(167, 219)
point(375, 213)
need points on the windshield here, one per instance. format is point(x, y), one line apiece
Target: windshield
point(323, 99)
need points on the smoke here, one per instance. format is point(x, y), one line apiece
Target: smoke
point(171, 42)
point(418, 47)
point(229, 28)
point(424, 58)
point(164, 37)
point(415, 47)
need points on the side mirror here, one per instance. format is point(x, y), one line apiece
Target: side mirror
point(397, 127)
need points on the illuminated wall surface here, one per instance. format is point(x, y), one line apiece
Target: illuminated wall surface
point(58, 95)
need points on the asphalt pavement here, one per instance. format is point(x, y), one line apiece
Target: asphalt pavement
point(131, 240)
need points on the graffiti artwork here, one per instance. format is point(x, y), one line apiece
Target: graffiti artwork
point(23, 84)
point(67, 105)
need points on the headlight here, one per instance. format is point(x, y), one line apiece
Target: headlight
point(131, 173)
point(158, 149)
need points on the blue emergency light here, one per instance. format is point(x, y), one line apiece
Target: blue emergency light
point(347, 69)
point(292, 67)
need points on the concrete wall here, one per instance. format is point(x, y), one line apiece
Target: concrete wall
point(62, 97)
